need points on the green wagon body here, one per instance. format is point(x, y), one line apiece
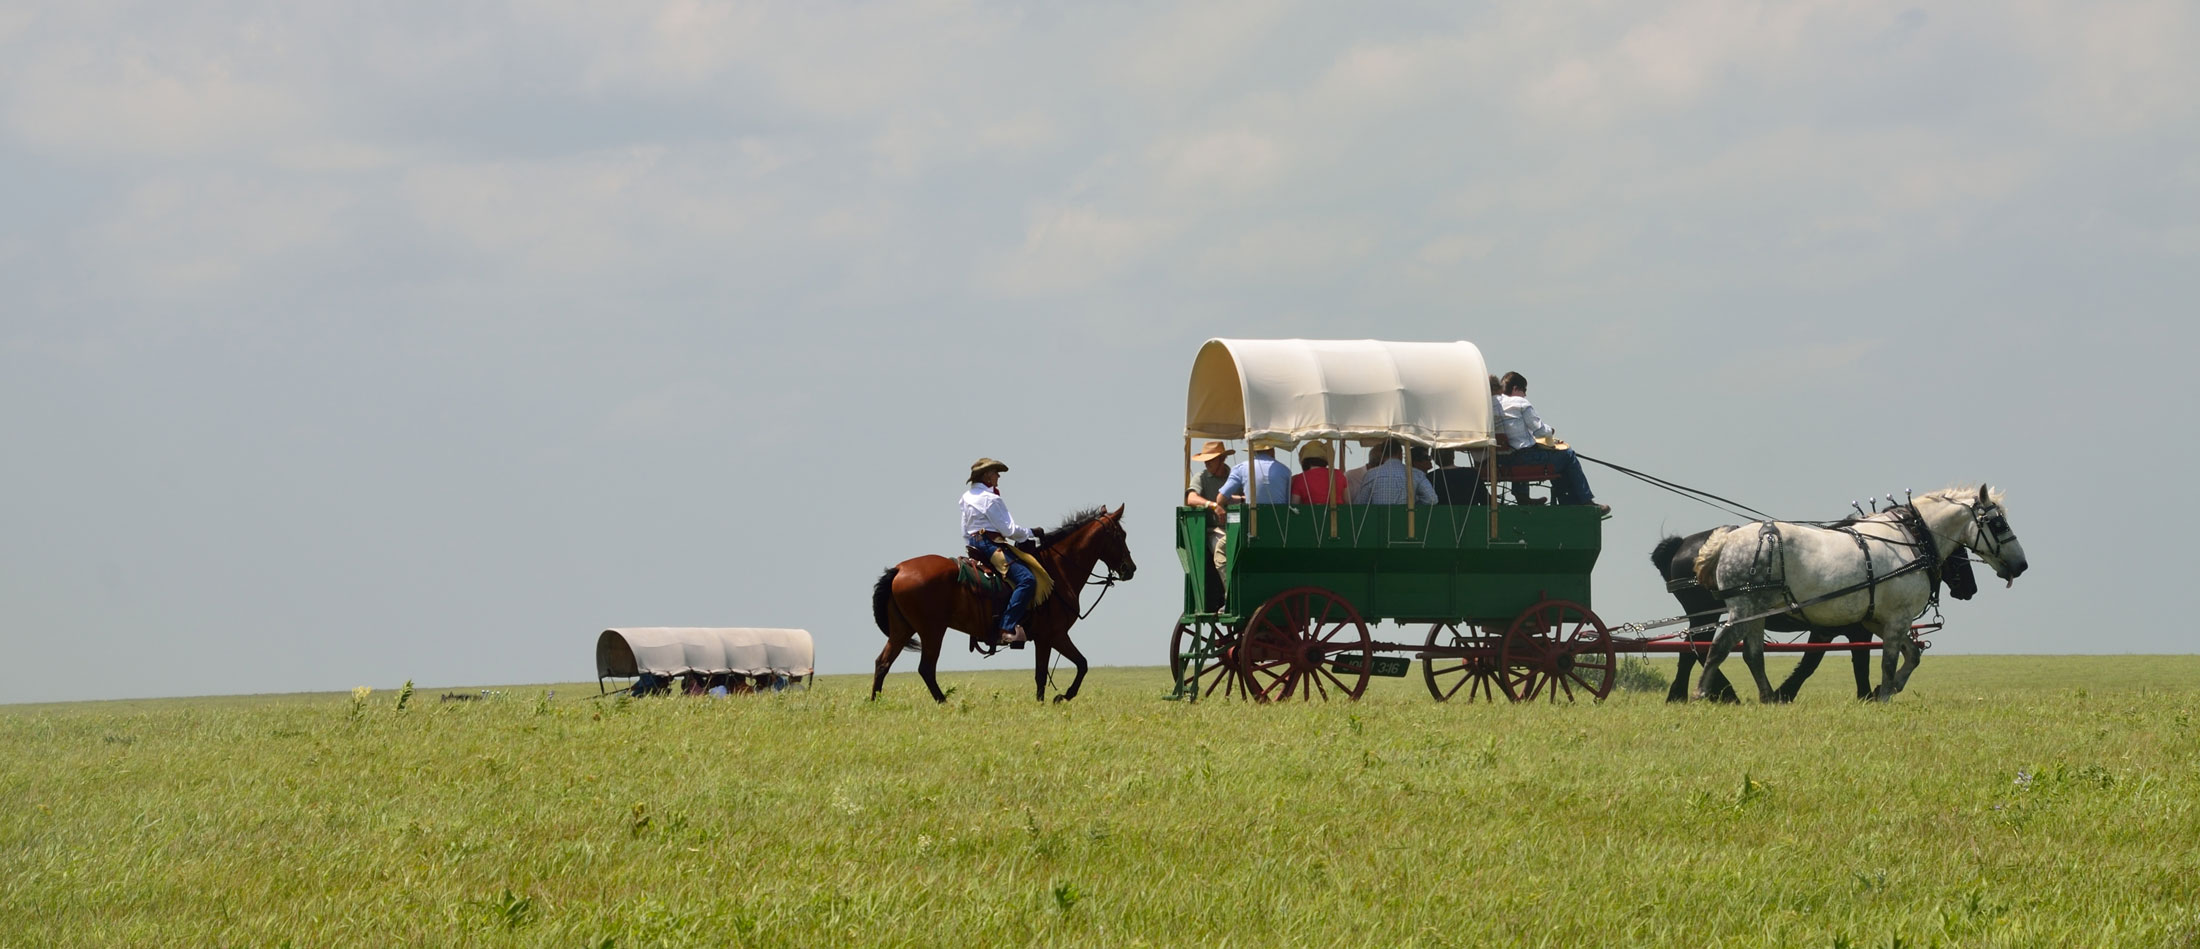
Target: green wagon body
point(1447, 569)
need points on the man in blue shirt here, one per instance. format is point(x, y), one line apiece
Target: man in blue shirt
point(1391, 481)
point(1271, 477)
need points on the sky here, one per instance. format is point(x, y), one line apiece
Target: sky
point(344, 345)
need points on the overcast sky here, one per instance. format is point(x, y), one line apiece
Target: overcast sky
point(348, 344)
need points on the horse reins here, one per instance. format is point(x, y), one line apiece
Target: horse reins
point(1106, 581)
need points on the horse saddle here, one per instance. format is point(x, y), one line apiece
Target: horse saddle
point(981, 578)
point(990, 578)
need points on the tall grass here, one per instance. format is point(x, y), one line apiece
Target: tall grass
point(2000, 802)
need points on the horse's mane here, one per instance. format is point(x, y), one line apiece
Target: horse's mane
point(1073, 522)
point(1955, 495)
point(1964, 494)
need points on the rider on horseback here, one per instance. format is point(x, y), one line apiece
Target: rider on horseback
point(987, 527)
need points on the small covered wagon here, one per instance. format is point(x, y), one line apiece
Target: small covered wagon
point(775, 658)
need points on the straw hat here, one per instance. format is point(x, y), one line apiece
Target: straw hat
point(981, 466)
point(1211, 450)
point(1315, 449)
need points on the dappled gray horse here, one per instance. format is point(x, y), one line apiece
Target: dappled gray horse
point(1849, 574)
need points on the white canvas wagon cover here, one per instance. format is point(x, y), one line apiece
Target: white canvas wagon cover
point(1286, 391)
point(707, 650)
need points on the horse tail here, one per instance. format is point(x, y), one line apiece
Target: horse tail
point(882, 593)
point(1661, 556)
point(1707, 559)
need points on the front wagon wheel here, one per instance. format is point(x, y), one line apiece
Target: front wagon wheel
point(1304, 643)
point(1560, 651)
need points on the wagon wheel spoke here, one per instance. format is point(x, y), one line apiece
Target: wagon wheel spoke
point(1261, 690)
point(1326, 673)
point(1586, 685)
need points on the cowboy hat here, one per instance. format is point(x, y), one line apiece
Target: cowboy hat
point(1214, 450)
point(1315, 450)
point(979, 467)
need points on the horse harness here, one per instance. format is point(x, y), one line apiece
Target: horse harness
point(1769, 543)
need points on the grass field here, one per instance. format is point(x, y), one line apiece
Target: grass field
point(2002, 801)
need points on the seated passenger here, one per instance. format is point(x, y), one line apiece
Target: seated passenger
point(1390, 480)
point(1456, 485)
point(1358, 476)
point(1517, 429)
point(1318, 483)
point(1271, 478)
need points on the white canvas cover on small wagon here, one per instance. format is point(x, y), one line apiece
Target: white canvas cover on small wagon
point(1287, 391)
point(707, 650)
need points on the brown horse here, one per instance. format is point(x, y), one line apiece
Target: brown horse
point(921, 597)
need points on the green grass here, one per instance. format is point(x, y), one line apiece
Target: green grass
point(2002, 801)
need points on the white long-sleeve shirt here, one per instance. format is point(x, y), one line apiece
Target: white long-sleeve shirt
point(983, 510)
point(1517, 421)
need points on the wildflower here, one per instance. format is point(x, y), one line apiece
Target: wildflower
point(2024, 779)
point(359, 693)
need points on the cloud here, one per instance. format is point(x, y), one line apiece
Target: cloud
point(1186, 48)
point(83, 101)
point(1287, 253)
point(1234, 161)
point(202, 234)
point(1069, 248)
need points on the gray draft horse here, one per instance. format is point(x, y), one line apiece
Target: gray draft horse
point(1675, 558)
point(1762, 567)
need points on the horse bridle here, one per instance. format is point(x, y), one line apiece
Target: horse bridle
point(1104, 575)
point(1993, 527)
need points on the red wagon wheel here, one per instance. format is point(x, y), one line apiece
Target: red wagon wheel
point(1302, 643)
point(1199, 660)
point(1557, 650)
point(1474, 675)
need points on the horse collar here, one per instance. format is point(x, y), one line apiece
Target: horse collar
point(1913, 524)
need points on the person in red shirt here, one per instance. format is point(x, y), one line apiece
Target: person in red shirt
point(1316, 482)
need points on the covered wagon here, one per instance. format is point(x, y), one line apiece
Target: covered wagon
point(780, 656)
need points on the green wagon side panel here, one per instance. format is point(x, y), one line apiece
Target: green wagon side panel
point(1443, 565)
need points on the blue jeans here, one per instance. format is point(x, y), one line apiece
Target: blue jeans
point(1019, 600)
point(1571, 486)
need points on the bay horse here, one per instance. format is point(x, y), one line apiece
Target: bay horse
point(1675, 558)
point(1761, 567)
point(921, 597)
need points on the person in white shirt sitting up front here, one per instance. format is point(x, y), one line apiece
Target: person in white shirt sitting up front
point(1517, 429)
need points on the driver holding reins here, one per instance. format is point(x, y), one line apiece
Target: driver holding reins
point(987, 527)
